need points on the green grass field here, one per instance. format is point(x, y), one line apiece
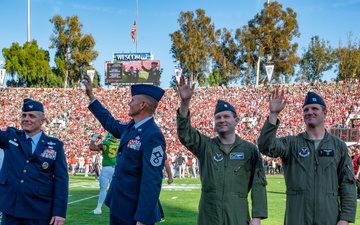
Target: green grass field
point(179, 200)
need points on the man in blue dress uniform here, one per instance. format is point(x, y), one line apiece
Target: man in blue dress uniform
point(136, 184)
point(33, 178)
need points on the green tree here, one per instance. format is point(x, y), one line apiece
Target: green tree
point(192, 44)
point(216, 78)
point(227, 59)
point(74, 50)
point(28, 65)
point(317, 59)
point(349, 59)
point(269, 33)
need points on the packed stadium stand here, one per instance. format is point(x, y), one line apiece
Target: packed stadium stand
point(69, 119)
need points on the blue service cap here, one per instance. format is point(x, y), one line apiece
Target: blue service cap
point(313, 98)
point(31, 105)
point(224, 106)
point(147, 89)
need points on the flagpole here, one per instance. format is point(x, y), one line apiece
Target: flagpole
point(137, 25)
point(28, 22)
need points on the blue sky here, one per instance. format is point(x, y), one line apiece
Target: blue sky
point(110, 22)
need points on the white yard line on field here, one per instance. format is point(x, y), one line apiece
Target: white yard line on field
point(83, 199)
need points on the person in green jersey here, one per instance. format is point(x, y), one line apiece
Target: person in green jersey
point(109, 148)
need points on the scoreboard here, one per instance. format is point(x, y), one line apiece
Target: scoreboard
point(346, 134)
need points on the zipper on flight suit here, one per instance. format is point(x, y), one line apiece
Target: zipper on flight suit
point(225, 171)
point(315, 171)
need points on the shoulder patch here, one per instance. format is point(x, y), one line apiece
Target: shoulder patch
point(157, 156)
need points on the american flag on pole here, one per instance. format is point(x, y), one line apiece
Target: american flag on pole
point(133, 32)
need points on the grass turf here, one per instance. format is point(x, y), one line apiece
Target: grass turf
point(179, 200)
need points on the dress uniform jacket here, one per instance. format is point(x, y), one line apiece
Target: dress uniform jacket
point(136, 184)
point(316, 179)
point(226, 179)
point(33, 186)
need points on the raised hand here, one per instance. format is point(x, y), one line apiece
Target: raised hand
point(185, 88)
point(88, 87)
point(186, 91)
point(277, 101)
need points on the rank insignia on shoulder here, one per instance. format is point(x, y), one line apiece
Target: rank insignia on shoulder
point(304, 152)
point(157, 156)
point(326, 152)
point(218, 157)
point(239, 155)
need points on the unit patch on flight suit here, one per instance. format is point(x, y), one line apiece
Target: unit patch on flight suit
point(239, 155)
point(157, 156)
point(218, 157)
point(304, 152)
point(326, 152)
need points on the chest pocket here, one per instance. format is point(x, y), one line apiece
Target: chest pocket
point(240, 166)
point(130, 159)
point(329, 160)
point(45, 164)
point(241, 172)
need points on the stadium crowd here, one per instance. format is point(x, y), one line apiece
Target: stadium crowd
point(69, 119)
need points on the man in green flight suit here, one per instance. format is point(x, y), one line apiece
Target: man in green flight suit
point(318, 172)
point(108, 149)
point(229, 166)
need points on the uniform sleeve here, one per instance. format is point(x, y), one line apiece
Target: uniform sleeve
point(268, 143)
point(153, 159)
point(189, 136)
point(347, 187)
point(115, 127)
point(61, 183)
point(258, 189)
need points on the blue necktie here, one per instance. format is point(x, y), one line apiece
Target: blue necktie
point(29, 141)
